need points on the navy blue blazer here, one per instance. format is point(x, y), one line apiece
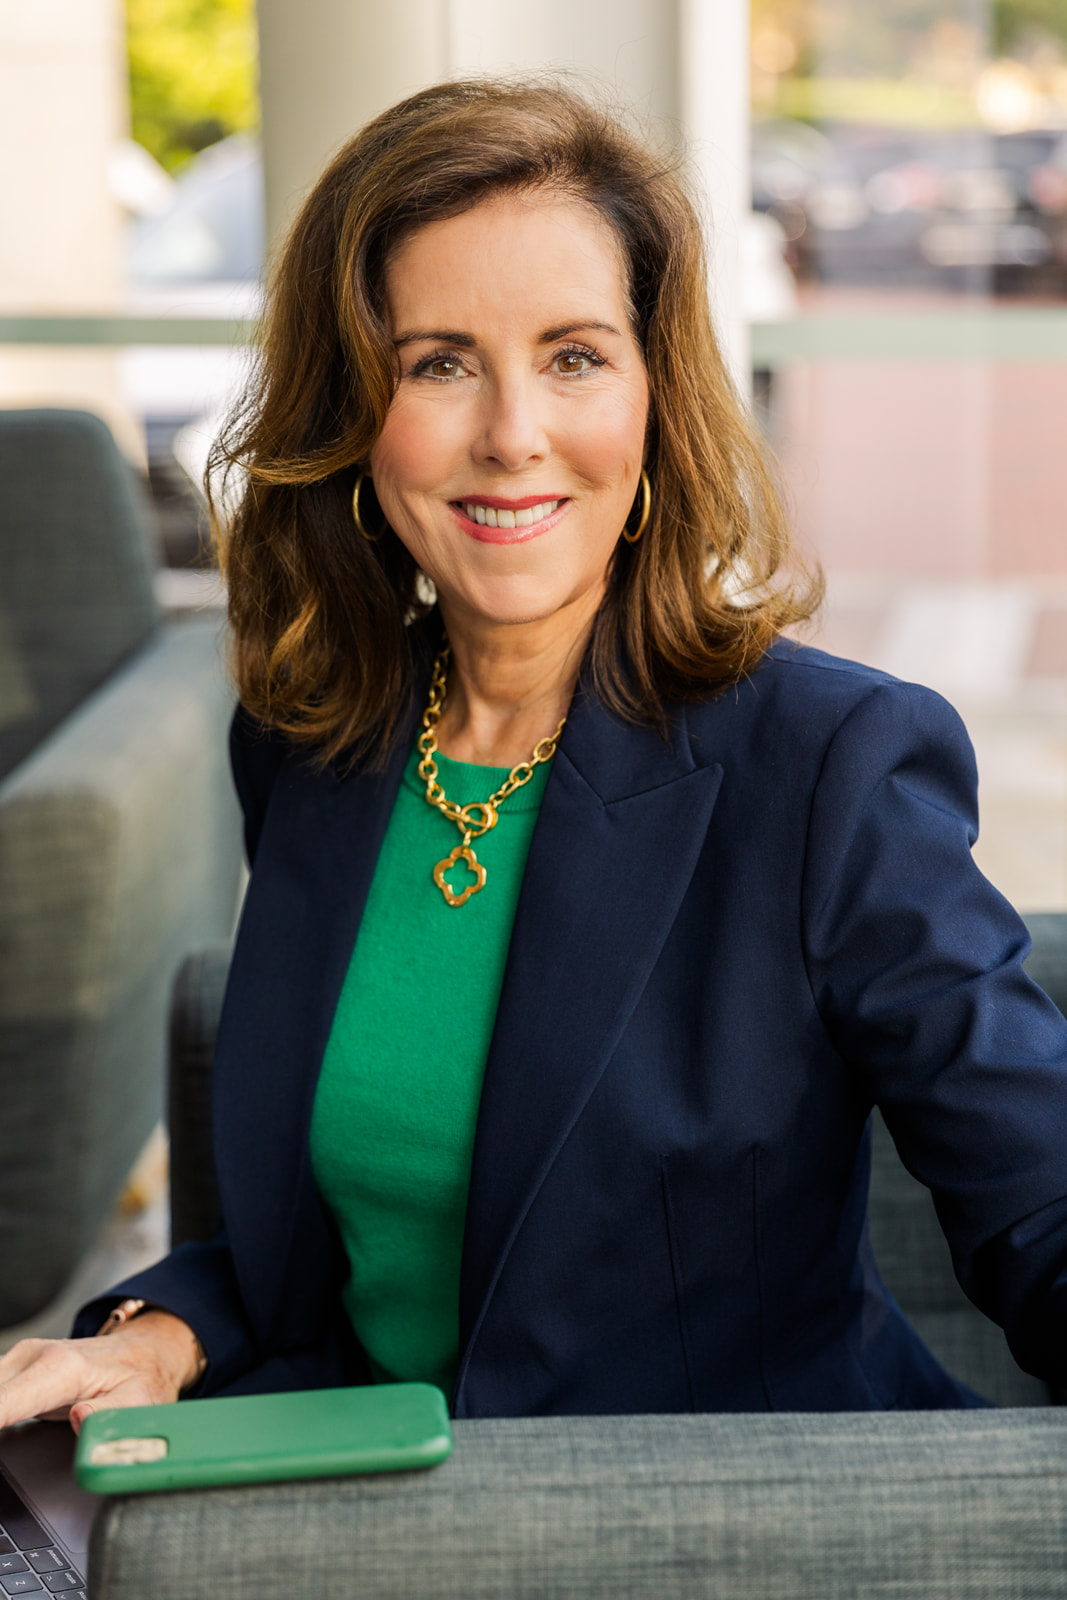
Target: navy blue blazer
point(727, 949)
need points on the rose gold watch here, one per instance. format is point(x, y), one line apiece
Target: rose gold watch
point(125, 1311)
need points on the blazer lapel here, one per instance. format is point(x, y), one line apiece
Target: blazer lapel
point(314, 864)
point(621, 826)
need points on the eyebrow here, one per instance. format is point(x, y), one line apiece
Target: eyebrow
point(466, 341)
point(441, 336)
point(550, 335)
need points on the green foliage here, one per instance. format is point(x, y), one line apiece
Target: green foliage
point(1016, 22)
point(881, 37)
point(192, 73)
point(873, 36)
point(889, 102)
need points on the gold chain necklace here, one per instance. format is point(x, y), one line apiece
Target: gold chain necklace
point(480, 815)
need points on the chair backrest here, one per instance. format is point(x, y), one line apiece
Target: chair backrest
point(76, 565)
point(1047, 961)
point(914, 1260)
point(196, 1004)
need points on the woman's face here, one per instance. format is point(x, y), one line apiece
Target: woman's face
point(512, 450)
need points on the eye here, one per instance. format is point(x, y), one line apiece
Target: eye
point(575, 363)
point(440, 365)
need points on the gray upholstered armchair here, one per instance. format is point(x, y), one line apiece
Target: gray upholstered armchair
point(119, 837)
point(922, 1505)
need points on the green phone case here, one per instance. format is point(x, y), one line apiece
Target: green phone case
point(312, 1433)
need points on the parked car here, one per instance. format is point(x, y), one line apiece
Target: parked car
point(962, 209)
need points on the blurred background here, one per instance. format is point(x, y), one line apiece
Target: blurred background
point(885, 188)
point(887, 184)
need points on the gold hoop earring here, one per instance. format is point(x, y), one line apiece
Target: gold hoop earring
point(371, 538)
point(646, 511)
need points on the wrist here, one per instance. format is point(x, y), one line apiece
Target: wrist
point(189, 1358)
point(174, 1345)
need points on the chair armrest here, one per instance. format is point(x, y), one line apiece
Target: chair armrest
point(195, 1211)
point(969, 1504)
point(119, 851)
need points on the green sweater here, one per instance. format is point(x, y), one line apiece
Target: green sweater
point(392, 1130)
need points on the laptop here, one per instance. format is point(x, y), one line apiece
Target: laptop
point(44, 1517)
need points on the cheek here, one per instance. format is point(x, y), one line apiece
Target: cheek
point(408, 462)
point(614, 437)
point(411, 452)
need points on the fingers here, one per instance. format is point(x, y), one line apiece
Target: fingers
point(136, 1391)
point(19, 1357)
point(49, 1377)
point(144, 1365)
point(39, 1376)
point(77, 1414)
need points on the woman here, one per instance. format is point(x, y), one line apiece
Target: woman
point(551, 1038)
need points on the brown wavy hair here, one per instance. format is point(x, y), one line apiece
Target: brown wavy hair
point(321, 649)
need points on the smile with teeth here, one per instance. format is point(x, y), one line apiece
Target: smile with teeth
point(494, 517)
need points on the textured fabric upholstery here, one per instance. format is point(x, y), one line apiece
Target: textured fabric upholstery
point(119, 849)
point(1047, 961)
point(922, 1505)
point(76, 596)
point(915, 1262)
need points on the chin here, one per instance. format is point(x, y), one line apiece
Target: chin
point(512, 604)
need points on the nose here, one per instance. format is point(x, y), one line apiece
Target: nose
point(513, 427)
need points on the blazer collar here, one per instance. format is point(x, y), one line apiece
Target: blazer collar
point(315, 860)
point(314, 863)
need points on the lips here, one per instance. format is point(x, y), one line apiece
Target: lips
point(488, 516)
point(507, 522)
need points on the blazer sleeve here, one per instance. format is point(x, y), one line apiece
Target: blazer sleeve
point(915, 963)
point(196, 1282)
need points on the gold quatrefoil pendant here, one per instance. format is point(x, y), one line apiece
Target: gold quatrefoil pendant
point(465, 853)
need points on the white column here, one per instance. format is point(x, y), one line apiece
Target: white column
point(627, 46)
point(682, 66)
point(714, 106)
point(328, 66)
point(62, 110)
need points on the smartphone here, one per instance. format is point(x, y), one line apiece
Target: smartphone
point(258, 1438)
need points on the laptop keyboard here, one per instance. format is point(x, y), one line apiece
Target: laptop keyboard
point(29, 1562)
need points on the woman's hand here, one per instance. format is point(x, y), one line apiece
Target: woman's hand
point(147, 1361)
